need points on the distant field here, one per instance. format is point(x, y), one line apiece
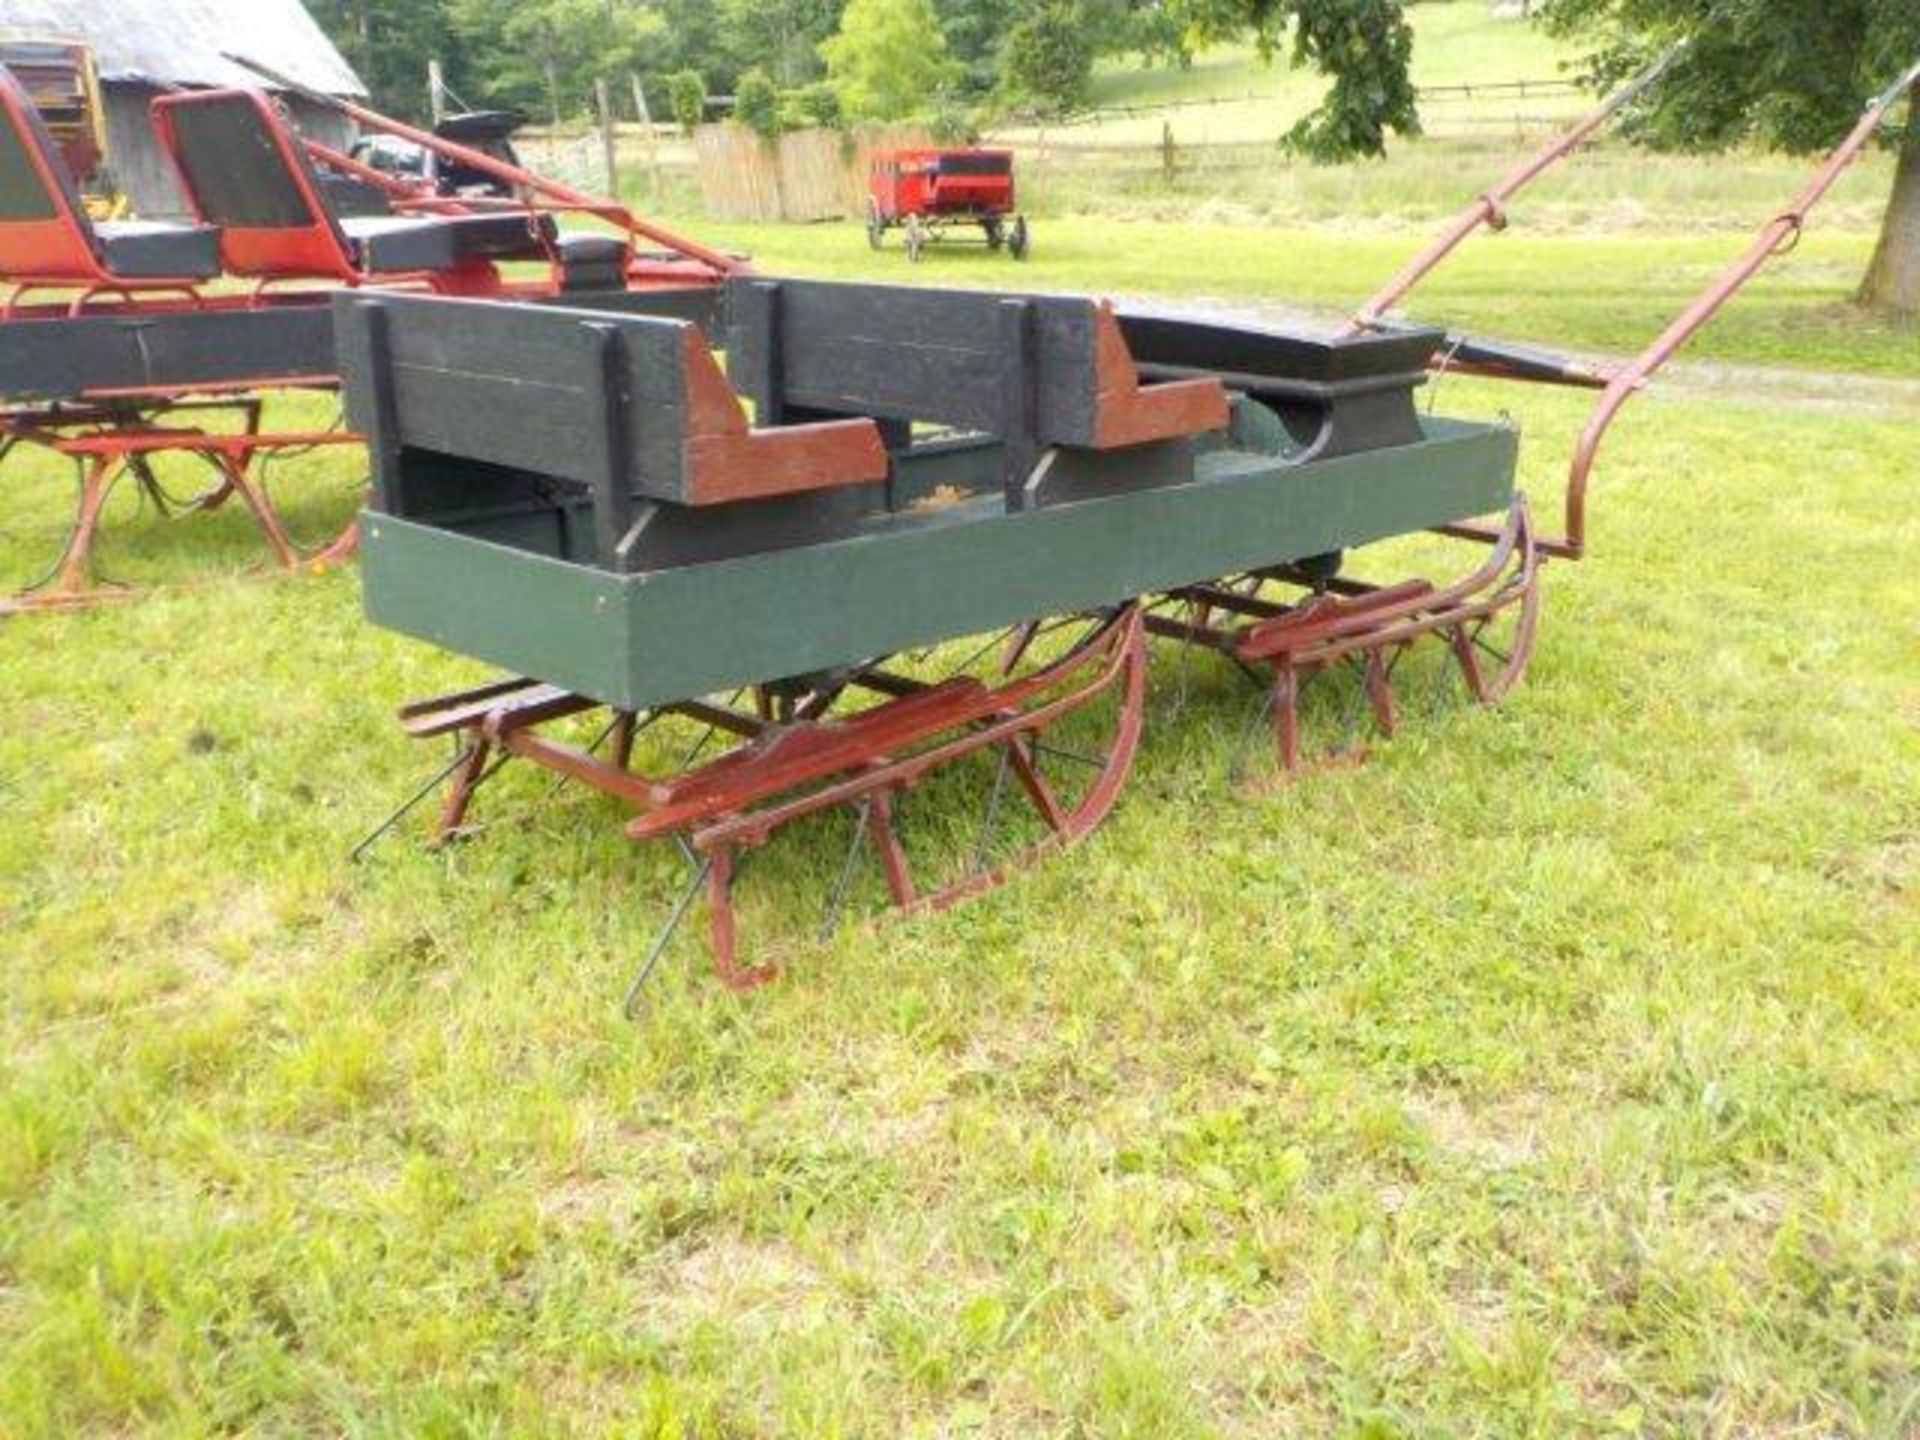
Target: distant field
point(1586, 292)
point(1227, 165)
point(1601, 253)
point(1456, 44)
point(1228, 168)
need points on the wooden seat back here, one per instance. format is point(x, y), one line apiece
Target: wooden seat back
point(1034, 370)
point(244, 171)
point(633, 408)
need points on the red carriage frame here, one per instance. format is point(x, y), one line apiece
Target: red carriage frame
point(929, 191)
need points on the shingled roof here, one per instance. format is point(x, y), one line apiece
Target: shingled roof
point(179, 42)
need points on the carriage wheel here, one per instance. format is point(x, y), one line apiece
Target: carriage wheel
point(916, 238)
point(940, 815)
point(996, 234)
point(876, 223)
point(1017, 241)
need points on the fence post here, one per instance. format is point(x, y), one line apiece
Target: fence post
point(646, 129)
point(609, 157)
point(1166, 151)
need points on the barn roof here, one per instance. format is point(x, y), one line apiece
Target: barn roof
point(160, 42)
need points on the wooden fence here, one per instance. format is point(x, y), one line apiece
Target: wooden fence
point(803, 175)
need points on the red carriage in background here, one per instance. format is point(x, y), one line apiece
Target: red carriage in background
point(926, 192)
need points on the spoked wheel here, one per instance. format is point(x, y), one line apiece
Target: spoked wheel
point(945, 772)
point(1017, 242)
point(949, 785)
point(996, 232)
point(1348, 655)
point(916, 238)
point(876, 223)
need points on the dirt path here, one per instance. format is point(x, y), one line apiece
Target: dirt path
point(1830, 392)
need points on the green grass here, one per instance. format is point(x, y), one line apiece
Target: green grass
point(1455, 44)
point(1602, 252)
point(1557, 1072)
point(1609, 293)
point(1612, 189)
point(1228, 167)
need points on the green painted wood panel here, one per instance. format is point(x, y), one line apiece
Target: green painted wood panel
point(916, 578)
point(536, 616)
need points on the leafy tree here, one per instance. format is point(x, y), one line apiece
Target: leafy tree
point(1155, 32)
point(888, 58)
point(1791, 73)
point(691, 39)
point(951, 124)
point(756, 104)
point(781, 37)
point(1049, 56)
point(527, 51)
point(389, 42)
point(975, 31)
point(1365, 45)
point(687, 94)
point(811, 105)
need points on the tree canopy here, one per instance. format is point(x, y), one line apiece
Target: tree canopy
point(884, 57)
point(888, 58)
point(1792, 74)
point(1365, 46)
point(1049, 57)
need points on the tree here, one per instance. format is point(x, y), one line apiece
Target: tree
point(1365, 45)
point(690, 39)
point(1155, 33)
point(1790, 73)
point(888, 58)
point(527, 51)
point(687, 94)
point(1048, 58)
point(975, 30)
point(817, 104)
point(781, 37)
point(389, 43)
point(756, 104)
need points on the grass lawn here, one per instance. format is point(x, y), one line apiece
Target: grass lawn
point(1593, 292)
point(1556, 1072)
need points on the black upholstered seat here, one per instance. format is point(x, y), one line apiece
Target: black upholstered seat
point(279, 217)
point(146, 249)
point(590, 248)
point(386, 244)
point(46, 233)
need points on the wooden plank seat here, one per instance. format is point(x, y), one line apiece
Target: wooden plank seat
point(1035, 371)
point(245, 172)
point(473, 404)
point(47, 239)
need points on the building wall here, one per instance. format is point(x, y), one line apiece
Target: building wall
point(141, 168)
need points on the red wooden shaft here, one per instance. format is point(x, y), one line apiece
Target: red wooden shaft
point(1772, 239)
point(1490, 207)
